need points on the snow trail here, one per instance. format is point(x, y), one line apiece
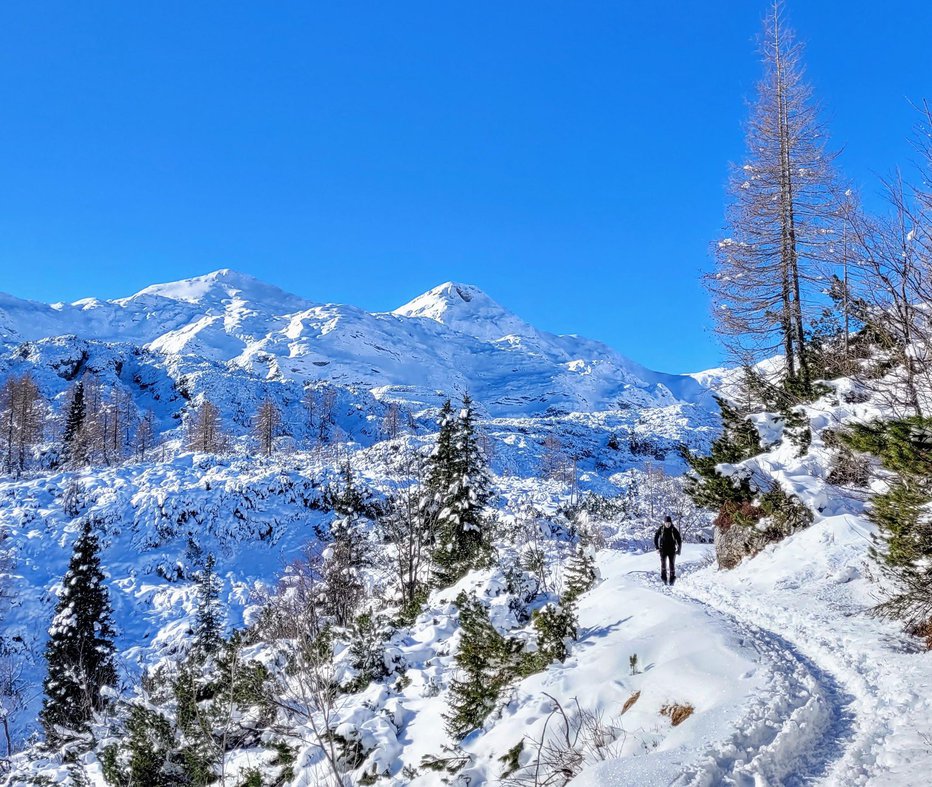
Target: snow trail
point(794, 728)
point(793, 731)
point(813, 592)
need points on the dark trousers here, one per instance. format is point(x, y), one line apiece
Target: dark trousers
point(665, 558)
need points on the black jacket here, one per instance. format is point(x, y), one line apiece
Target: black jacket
point(667, 539)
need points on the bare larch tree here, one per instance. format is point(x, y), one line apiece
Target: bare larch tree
point(205, 432)
point(784, 210)
point(268, 423)
point(22, 413)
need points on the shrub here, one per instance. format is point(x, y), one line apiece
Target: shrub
point(677, 713)
point(904, 546)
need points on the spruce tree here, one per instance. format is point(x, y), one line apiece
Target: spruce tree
point(74, 448)
point(348, 553)
point(739, 440)
point(80, 649)
point(442, 458)
point(486, 661)
point(581, 575)
point(461, 479)
point(208, 622)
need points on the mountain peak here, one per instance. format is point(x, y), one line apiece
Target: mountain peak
point(221, 285)
point(468, 309)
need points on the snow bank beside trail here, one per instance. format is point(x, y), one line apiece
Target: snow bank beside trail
point(814, 591)
point(685, 655)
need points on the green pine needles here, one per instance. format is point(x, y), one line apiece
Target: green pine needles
point(460, 486)
point(486, 662)
point(904, 545)
point(80, 649)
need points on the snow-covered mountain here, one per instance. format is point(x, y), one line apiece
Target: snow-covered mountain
point(449, 340)
point(564, 417)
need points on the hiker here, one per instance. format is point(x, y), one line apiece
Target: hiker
point(668, 542)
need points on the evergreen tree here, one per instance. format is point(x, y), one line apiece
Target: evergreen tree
point(555, 625)
point(460, 476)
point(80, 650)
point(443, 456)
point(349, 552)
point(74, 444)
point(904, 545)
point(738, 441)
point(347, 499)
point(367, 651)
point(148, 754)
point(208, 622)
point(581, 575)
point(486, 661)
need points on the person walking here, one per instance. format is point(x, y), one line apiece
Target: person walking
point(668, 542)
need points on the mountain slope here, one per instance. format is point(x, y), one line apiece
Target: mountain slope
point(452, 339)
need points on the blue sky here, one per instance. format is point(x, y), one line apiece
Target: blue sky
point(567, 157)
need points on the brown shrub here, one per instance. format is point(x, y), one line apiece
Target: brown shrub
point(924, 632)
point(629, 702)
point(677, 713)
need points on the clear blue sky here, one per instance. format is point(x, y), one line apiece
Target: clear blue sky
point(567, 157)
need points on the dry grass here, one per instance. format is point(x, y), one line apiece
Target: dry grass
point(677, 713)
point(924, 632)
point(629, 702)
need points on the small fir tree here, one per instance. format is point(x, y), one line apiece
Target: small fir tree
point(74, 445)
point(348, 554)
point(486, 661)
point(208, 621)
point(460, 478)
point(581, 575)
point(80, 649)
point(367, 651)
point(555, 626)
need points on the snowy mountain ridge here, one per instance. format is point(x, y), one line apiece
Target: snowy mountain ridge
point(452, 339)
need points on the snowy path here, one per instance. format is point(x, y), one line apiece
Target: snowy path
point(795, 728)
point(792, 728)
point(876, 687)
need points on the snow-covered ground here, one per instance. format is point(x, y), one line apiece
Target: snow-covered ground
point(789, 679)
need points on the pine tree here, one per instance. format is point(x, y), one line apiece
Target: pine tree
point(486, 661)
point(581, 575)
point(148, 755)
point(461, 479)
point(904, 545)
point(74, 445)
point(738, 441)
point(80, 650)
point(555, 625)
point(348, 553)
point(208, 622)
